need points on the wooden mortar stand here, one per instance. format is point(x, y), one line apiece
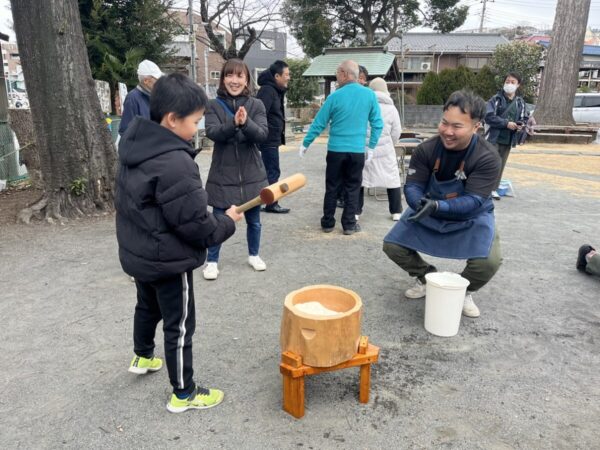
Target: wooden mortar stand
point(294, 371)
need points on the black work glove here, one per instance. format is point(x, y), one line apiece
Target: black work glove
point(426, 208)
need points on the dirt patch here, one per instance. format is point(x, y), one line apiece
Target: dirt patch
point(14, 199)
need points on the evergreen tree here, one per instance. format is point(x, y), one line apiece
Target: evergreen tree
point(520, 57)
point(323, 23)
point(430, 91)
point(301, 90)
point(454, 80)
point(485, 84)
point(121, 33)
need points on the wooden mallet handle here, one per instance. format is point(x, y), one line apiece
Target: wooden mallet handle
point(274, 192)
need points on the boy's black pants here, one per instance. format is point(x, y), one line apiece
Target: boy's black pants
point(172, 300)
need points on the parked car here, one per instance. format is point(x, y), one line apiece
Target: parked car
point(586, 108)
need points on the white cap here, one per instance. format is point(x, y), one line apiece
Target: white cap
point(148, 69)
point(379, 84)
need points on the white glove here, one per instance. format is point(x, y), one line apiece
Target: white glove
point(302, 151)
point(369, 155)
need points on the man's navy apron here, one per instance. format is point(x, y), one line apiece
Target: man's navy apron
point(465, 239)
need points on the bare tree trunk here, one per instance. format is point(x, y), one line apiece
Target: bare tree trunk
point(20, 122)
point(77, 158)
point(559, 80)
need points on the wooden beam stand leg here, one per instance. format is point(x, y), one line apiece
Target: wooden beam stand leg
point(365, 383)
point(293, 396)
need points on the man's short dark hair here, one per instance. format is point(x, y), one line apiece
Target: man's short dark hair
point(277, 67)
point(176, 93)
point(363, 69)
point(515, 75)
point(468, 102)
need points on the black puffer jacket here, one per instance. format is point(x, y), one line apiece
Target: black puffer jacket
point(163, 226)
point(237, 173)
point(272, 97)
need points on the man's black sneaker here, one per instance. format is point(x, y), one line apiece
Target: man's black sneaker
point(276, 209)
point(327, 229)
point(581, 262)
point(353, 230)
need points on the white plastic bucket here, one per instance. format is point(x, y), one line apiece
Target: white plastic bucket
point(444, 298)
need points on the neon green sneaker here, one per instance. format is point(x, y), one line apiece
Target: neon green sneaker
point(201, 398)
point(141, 365)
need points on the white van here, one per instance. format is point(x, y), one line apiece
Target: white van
point(586, 108)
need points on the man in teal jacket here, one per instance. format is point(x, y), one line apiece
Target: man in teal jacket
point(347, 112)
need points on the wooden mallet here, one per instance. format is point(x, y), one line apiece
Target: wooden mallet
point(274, 192)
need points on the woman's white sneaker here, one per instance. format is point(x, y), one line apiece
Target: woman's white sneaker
point(470, 309)
point(257, 263)
point(396, 217)
point(211, 271)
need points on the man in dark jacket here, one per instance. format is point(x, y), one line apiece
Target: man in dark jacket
point(137, 102)
point(505, 115)
point(273, 84)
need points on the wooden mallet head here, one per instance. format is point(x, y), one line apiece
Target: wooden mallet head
point(274, 192)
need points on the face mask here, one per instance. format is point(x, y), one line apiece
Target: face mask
point(510, 88)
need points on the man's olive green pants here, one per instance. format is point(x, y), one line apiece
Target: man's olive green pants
point(477, 271)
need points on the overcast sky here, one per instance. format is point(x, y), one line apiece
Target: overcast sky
point(499, 13)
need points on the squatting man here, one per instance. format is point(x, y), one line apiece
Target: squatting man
point(451, 211)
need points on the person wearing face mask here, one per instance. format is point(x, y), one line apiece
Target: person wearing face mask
point(236, 123)
point(451, 212)
point(137, 102)
point(506, 114)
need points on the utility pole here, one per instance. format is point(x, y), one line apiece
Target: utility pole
point(192, 42)
point(483, 15)
point(206, 68)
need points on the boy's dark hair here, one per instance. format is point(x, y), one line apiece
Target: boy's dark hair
point(238, 66)
point(468, 102)
point(363, 69)
point(176, 93)
point(277, 67)
point(514, 75)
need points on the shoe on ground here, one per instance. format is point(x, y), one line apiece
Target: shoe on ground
point(257, 263)
point(417, 291)
point(211, 271)
point(396, 217)
point(140, 365)
point(581, 261)
point(470, 309)
point(201, 398)
point(340, 204)
point(276, 209)
point(327, 229)
point(495, 195)
point(352, 230)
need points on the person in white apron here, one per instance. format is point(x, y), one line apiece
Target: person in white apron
point(451, 212)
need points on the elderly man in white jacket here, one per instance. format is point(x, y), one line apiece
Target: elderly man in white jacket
point(382, 169)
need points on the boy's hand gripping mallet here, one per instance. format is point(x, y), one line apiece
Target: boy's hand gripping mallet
point(274, 192)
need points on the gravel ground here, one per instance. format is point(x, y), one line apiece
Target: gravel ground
point(524, 375)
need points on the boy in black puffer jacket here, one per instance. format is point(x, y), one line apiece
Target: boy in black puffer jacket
point(163, 230)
